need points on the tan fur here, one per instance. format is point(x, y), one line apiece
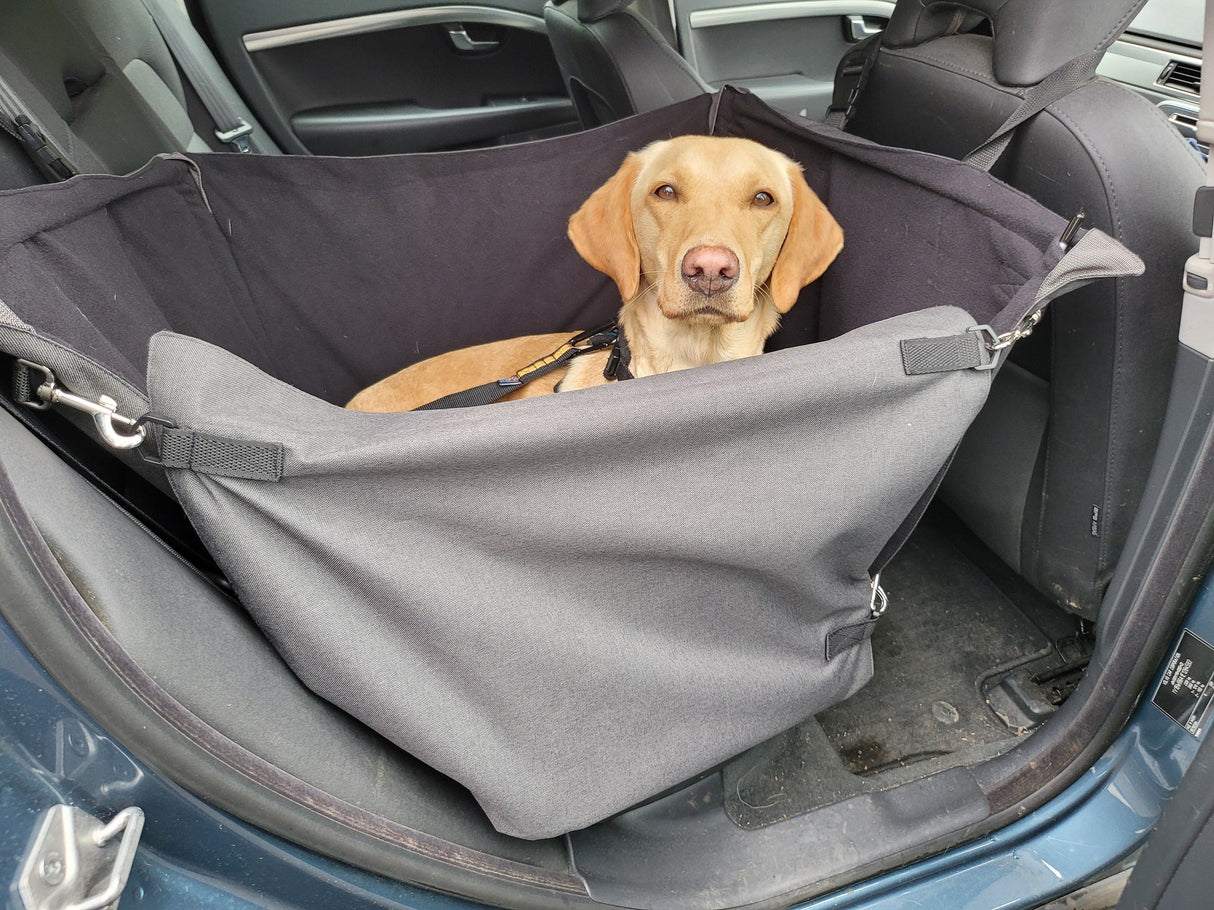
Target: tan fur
point(640, 239)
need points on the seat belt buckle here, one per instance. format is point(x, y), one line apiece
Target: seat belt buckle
point(43, 154)
point(237, 136)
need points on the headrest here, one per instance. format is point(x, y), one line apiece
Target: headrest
point(1032, 37)
point(594, 10)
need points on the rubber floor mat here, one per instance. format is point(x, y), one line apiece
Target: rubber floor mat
point(947, 627)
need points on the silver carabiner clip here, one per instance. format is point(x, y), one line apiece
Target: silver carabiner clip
point(879, 600)
point(104, 410)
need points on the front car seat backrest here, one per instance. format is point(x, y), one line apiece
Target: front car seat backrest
point(1050, 475)
point(614, 62)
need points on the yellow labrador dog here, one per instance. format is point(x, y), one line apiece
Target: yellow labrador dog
point(708, 239)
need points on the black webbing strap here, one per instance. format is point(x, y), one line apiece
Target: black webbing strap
point(967, 351)
point(848, 637)
point(607, 336)
point(206, 454)
point(851, 76)
point(1056, 85)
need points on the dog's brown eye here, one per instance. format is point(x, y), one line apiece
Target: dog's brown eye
point(666, 191)
point(763, 199)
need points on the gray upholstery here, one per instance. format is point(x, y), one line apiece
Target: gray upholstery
point(615, 63)
point(99, 78)
point(1054, 494)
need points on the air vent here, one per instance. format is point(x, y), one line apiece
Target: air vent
point(1185, 77)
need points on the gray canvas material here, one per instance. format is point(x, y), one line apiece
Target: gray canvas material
point(569, 622)
point(569, 603)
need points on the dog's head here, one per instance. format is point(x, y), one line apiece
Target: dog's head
point(709, 224)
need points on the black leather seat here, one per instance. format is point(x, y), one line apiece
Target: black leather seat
point(615, 63)
point(1053, 470)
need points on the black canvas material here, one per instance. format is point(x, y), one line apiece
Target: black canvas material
point(567, 604)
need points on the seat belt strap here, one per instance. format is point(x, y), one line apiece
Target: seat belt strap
point(19, 122)
point(207, 79)
point(1053, 87)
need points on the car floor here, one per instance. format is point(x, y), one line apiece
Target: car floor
point(958, 622)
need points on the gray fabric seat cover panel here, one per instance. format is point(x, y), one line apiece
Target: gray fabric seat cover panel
point(564, 622)
point(571, 603)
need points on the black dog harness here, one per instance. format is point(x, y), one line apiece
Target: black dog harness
point(606, 336)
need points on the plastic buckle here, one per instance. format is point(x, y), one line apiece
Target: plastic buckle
point(613, 363)
point(141, 427)
point(237, 136)
point(49, 161)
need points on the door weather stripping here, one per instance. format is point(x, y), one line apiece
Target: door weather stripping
point(77, 862)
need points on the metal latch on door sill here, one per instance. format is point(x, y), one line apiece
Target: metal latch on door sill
point(78, 862)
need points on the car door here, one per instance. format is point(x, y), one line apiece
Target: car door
point(369, 77)
point(784, 51)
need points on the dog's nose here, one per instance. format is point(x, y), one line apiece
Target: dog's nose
point(709, 270)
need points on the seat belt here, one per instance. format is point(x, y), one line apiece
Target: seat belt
point(19, 122)
point(207, 79)
point(1053, 87)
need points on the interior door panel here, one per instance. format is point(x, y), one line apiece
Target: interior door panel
point(357, 77)
point(784, 51)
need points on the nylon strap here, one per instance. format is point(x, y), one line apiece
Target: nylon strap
point(596, 340)
point(203, 453)
point(944, 354)
point(850, 78)
point(1053, 87)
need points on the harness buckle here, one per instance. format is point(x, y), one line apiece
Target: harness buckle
point(613, 363)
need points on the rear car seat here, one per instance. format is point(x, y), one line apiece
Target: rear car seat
point(99, 80)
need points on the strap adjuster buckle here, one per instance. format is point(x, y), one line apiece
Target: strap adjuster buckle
point(41, 151)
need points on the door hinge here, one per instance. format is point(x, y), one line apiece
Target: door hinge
point(77, 862)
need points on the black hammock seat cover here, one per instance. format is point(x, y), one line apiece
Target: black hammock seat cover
point(568, 604)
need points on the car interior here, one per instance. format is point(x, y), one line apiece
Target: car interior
point(1025, 611)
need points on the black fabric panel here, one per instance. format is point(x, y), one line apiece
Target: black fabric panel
point(332, 273)
point(917, 231)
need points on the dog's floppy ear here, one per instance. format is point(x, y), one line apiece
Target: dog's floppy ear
point(602, 232)
point(813, 241)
